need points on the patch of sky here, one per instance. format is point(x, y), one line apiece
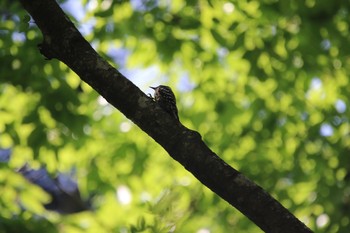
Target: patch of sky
point(326, 44)
point(141, 5)
point(77, 10)
point(326, 130)
point(185, 84)
point(316, 84)
point(18, 36)
point(340, 106)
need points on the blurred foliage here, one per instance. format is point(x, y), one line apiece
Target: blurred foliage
point(265, 83)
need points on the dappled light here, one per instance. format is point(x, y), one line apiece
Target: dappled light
point(265, 83)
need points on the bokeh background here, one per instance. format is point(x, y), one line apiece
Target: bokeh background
point(264, 82)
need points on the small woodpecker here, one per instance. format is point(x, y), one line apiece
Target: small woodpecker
point(165, 98)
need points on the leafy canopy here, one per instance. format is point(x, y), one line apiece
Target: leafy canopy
point(264, 82)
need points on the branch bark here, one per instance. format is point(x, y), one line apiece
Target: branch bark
point(61, 40)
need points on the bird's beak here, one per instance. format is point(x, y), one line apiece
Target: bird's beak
point(153, 88)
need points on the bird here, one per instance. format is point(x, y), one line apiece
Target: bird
point(165, 98)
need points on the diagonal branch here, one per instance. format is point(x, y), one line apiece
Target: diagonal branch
point(64, 42)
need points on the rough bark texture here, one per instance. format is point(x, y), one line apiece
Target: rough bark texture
point(64, 42)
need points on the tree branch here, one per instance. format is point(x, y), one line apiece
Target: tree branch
point(64, 42)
